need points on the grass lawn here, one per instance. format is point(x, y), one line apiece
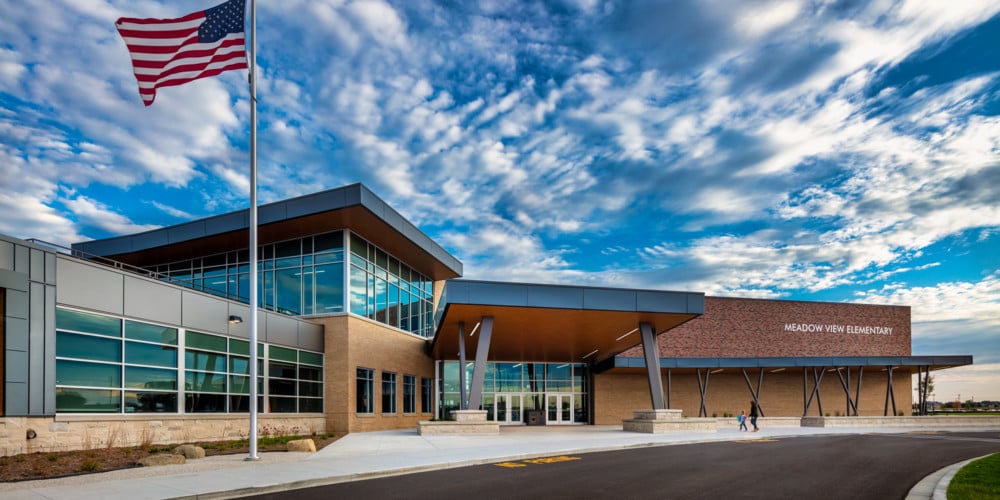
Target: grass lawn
point(978, 480)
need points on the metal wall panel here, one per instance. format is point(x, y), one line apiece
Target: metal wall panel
point(15, 396)
point(202, 312)
point(49, 389)
point(242, 330)
point(184, 232)
point(225, 223)
point(6, 255)
point(653, 301)
point(152, 300)
point(310, 337)
point(36, 265)
point(16, 370)
point(17, 303)
point(21, 259)
point(50, 268)
point(89, 286)
point(36, 350)
point(562, 297)
point(609, 300)
point(16, 333)
point(281, 330)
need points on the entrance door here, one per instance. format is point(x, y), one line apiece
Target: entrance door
point(508, 409)
point(559, 409)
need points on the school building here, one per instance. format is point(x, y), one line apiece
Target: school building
point(366, 324)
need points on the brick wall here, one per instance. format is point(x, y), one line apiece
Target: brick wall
point(616, 395)
point(757, 328)
point(352, 343)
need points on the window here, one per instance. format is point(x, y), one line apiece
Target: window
point(388, 392)
point(409, 394)
point(365, 391)
point(426, 395)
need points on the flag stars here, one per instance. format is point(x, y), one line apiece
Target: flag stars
point(222, 20)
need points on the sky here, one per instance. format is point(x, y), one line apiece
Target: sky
point(843, 151)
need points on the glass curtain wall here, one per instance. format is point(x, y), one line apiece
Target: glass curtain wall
point(106, 364)
point(305, 277)
point(559, 389)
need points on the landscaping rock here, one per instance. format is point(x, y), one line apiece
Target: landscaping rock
point(162, 459)
point(190, 451)
point(302, 445)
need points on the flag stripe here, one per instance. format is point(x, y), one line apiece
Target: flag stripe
point(169, 52)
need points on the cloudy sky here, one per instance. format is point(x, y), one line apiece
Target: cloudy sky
point(838, 150)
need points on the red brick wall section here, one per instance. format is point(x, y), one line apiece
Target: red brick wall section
point(770, 328)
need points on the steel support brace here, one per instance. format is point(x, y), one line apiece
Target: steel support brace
point(857, 390)
point(668, 388)
point(755, 393)
point(923, 378)
point(463, 393)
point(817, 378)
point(889, 394)
point(852, 406)
point(652, 353)
point(479, 370)
point(702, 388)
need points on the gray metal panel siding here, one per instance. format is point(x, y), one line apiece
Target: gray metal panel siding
point(501, 294)
point(89, 286)
point(325, 200)
point(150, 239)
point(36, 350)
point(17, 303)
point(609, 300)
point(282, 330)
point(271, 213)
point(183, 232)
point(555, 296)
point(16, 370)
point(654, 301)
point(12, 280)
point(49, 389)
point(311, 337)
point(15, 397)
point(696, 303)
point(16, 333)
point(152, 300)
point(234, 221)
point(21, 263)
point(202, 312)
point(6, 255)
point(50, 268)
point(36, 265)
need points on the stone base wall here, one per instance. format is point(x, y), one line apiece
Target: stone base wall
point(65, 433)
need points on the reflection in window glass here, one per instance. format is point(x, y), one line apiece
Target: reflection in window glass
point(70, 400)
point(88, 374)
point(365, 391)
point(150, 378)
point(144, 402)
point(150, 354)
point(88, 323)
point(150, 333)
point(388, 392)
point(71, 345)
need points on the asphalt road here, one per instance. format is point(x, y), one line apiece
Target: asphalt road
point(870, 466)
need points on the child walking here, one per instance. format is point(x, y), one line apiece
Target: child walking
point(743, 420)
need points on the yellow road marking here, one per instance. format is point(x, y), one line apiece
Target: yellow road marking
point(535, 461)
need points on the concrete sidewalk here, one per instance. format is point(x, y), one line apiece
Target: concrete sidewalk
point(377, 454)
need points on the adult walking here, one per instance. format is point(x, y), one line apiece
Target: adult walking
point(753, 415)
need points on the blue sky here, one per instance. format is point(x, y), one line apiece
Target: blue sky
point(840, 150)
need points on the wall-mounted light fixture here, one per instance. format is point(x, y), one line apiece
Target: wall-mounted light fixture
point(234, 319)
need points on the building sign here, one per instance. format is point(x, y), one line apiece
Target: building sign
point(835, 328)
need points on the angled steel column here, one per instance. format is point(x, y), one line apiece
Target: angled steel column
point(652, 353)
point(668, 388)
point(464, 395)
point(755, 394)
point(702, 388)
point(857, 390)
point(846, 384)
point(889, 394)
point(479, 370)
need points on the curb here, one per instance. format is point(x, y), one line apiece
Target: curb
point(935, 485)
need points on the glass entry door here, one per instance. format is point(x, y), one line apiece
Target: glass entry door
point(559, 409)
point(508, 409)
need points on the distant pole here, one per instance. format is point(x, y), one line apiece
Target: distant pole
point(253, 231)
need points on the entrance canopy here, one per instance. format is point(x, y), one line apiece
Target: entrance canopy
point(554, 323)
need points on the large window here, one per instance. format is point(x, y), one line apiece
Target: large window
point(297, 277)
point(426, 395)
point(387, 290)
point(409, 394)
point(365, 393)
point(388, 392)
point(110, 365)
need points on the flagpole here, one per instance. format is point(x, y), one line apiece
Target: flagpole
point(253, 231)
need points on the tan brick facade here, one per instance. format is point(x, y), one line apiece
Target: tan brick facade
point(353, 342)
point(617, 394)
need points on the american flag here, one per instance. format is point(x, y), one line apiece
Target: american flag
point(167, 52)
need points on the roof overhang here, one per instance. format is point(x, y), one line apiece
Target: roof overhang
point(554, 323)
point(352, 207)
point(623, 364)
